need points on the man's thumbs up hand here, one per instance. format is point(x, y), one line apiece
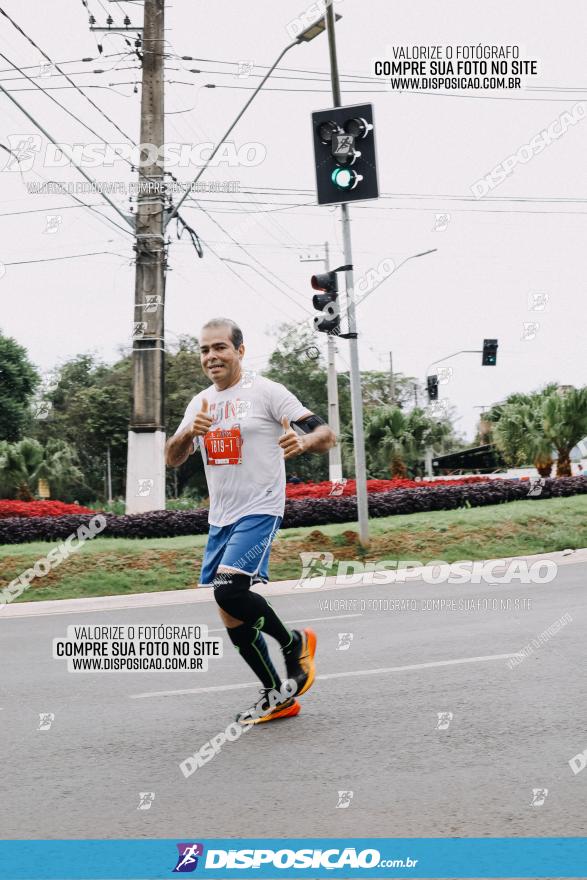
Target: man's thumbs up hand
point(291, 443)
point(203, 421)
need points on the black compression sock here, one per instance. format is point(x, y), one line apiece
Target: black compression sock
point(294, 642)
point(253, 649)
point(271, 624)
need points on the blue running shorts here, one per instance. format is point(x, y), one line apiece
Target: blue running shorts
point(244, 545)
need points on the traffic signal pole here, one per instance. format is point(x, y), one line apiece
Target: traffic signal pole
point(355, 375)
point(145, 474)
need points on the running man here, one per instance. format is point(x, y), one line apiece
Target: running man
point(242, 425)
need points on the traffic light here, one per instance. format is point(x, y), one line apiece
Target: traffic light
point(344, 154)
point(432, 387)
point(326, 302)
point(489, 358)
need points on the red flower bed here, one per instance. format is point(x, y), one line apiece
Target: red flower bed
point(40, 508)
point(323, 490)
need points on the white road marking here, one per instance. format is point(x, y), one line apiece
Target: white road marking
point(219, 687)
point(382, 670)
point(300, 620)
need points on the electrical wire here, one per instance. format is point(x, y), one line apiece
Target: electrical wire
point(243, 280)
point(72, 61)
point(10, 79)
point(324, 76)
point(58, 103)
point(67, 77)
point(279, 89)
point(258, 262)
point(68, 257)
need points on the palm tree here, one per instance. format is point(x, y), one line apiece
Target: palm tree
point(531, 426)
point(427, 433)
point(387, 437)
point(400, 439)
point(519, 434)
point(565, 424)
point(24, 463)
point(17, 461)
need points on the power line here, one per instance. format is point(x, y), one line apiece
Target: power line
point(108, 88)
point(71, 195)
point(67, 77)
point(423, 196)
point(10, 79)
point(372, 90)
point(278, 89)
point(72, 61)
point(255, 259)
point(235, 272)
point(482, 97)
point(285, 207)
point(324, 76)
point(58, 103)
point(69, 257)
point(85, 125)
point(121, 8)
point(47, 135)
point(197, 135)
point(326, 79)
point(269, 246)
point(371, 208)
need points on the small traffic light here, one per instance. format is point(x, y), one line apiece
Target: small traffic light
point(489, 358)
point(326, 302)
point(344, 154)
point(432, 387)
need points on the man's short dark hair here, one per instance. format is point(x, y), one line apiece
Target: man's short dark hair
point(236, 334)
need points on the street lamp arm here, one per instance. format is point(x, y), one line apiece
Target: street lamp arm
point(229, 129)
point(414, 256)
point(454, 354)
point(395, 269)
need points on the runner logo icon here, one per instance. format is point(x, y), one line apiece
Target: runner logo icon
point(187, 860)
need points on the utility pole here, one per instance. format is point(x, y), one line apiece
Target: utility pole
point(334, 455)
point(391, 381)
point(355, 374)
point(145, 482)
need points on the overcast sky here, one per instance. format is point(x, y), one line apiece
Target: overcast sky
point(495, 254)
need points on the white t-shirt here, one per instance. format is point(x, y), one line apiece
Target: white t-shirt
point(244, 463)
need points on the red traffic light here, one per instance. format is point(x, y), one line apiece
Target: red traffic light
point(326, 281)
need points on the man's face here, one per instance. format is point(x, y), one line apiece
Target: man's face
point(219, 358)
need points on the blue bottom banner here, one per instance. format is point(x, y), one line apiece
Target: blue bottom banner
point(551, 857)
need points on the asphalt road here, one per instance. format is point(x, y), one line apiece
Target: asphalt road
point(369, 725)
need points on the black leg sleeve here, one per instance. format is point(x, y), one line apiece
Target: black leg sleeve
point(252, 647)
point(234, 595)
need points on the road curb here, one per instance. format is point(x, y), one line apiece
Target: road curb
point(195, 595)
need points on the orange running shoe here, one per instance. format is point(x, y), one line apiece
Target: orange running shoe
point(269, 708)
point(300, 662)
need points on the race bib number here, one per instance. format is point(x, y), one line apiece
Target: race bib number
point(224, 446)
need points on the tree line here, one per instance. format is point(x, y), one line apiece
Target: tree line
point(57, 433)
